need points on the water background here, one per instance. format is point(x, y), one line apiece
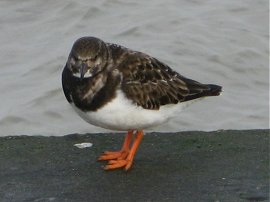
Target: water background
point(222, 42)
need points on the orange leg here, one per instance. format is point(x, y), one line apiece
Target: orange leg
point(122, 154)
point(126, 162)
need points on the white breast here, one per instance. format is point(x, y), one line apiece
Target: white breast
point(121, 114)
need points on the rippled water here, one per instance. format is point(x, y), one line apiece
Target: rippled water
point(222, 42)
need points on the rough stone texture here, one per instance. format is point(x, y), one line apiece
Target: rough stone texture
point(187, 166)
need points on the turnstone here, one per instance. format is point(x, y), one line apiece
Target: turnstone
point(116, 88)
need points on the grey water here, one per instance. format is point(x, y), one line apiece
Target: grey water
point(221, 42)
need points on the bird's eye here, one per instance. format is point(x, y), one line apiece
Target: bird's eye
point(75, 59)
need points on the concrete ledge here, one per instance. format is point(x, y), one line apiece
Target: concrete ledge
point(186, 166)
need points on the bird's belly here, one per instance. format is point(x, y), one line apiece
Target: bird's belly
point(121, 114)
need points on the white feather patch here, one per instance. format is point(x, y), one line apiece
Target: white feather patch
point(121, 114)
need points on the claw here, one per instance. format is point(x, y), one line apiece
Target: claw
point(124, 157)
point(114, 164)
point(113, 155)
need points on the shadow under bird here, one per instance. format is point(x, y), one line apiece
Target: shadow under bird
point(116, 88)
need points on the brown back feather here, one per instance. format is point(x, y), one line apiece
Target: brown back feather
point(151, 84)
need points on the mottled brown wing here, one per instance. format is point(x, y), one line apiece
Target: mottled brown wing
point(151, 84)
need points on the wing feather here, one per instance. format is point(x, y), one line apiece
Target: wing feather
point(151, 83)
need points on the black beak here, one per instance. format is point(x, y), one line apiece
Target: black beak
point(83, 70)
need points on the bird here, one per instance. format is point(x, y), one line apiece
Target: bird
point(117, 88)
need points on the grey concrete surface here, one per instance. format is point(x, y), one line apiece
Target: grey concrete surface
point(215, 166)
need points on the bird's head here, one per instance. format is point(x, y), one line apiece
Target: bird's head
point(88, 57)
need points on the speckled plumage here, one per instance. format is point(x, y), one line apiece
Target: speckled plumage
point(116, 88)
point(144, 80)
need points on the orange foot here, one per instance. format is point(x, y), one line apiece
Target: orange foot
point(113, 155)
point(122, 154)
point(124, 157)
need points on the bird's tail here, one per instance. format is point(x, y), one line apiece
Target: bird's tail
point(198, 90)
point(213, 90)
